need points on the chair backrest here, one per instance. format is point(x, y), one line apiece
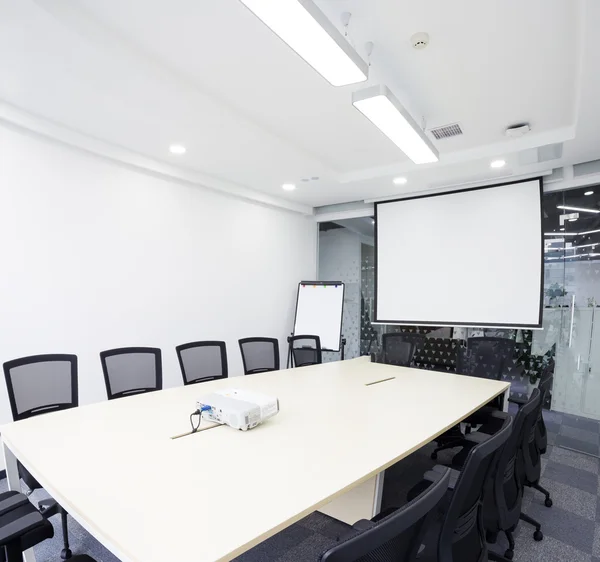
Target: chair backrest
point(502, 506)
point(202, 361)
point(494, 352)
point(397, 350)
point(131, 370)
point(39, 384)
point(484, 357)
point(305, 350)
point(545, 387)
point(394, 538)
point(530, 447)
point(462, 536)
point(259, 355)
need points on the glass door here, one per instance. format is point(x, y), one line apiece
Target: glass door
point(572, 295)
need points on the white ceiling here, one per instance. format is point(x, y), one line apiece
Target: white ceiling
point(135, 76)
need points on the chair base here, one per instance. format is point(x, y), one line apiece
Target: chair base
point(537, 535)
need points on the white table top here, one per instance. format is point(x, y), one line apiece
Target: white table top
point(212, 495)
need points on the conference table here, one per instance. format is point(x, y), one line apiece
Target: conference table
point(131, 474)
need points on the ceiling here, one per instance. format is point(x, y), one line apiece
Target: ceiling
point(130, 77)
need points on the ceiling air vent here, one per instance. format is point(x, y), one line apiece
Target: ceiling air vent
point(446, 131)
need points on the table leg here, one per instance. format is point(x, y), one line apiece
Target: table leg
point(505, 400)
point(14, 483)
point(378, 493)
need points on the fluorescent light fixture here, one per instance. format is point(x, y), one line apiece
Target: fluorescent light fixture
point(566, 233)
point(306, 30)
point(498, 163)
point(575, 256)
point(384, 110)
point(561, 229)
point(572, 220)
point(589, 193)
point(399, 181)
point(177, 149)
point(590, 232)
point(288, 186)
point(582, 209)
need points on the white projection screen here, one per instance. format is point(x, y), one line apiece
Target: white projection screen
point(467, 258)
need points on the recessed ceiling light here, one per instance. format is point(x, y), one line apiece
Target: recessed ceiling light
point(589, 193)
point(399, 181)
point(562, 229)
point(572, 220)
point(498, 163)
point(372, 221)
point(177, 149)
point(289, 186)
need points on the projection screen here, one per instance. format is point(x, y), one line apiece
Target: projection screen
point(467, 258)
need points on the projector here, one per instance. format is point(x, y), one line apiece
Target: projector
point(240, 409)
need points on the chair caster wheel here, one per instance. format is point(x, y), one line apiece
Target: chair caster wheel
point(509, 554)
point(66, 553)
point(434, 456)
point(548, 502)
point(538, 535)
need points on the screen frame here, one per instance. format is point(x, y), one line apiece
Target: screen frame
point(538, 325)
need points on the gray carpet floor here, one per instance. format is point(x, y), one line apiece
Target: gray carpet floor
point(571, 527)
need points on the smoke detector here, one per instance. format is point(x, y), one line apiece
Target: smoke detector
point(420, 40)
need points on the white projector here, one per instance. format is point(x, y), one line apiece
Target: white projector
point(240, 409)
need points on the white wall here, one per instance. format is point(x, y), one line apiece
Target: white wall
point(95, 256)
point(339, 260)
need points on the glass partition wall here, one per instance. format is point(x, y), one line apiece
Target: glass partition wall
point(571, 320)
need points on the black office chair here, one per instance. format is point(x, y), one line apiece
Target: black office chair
point(22, 527)
point(259, 355)
point(202, 361)
point(461, 535)
point(504, 489)
point(37, 385)
point(395, 537)
point(131, 370)
point(545, 387)
point(305, 350)
point(397, 349)
point(483, 358)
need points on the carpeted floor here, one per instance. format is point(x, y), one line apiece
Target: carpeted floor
point(571, 527)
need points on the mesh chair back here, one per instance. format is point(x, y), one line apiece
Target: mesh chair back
point(397, 350)
point(306, 350)
point(202, 361)
point(394, 538)
point(531, 454)
point(481, 361)
point(462, 535)
point(131, 370)
point(496, 353)
point(502, 506)
point(41, 383)
point(545, 387)
point(259, 355)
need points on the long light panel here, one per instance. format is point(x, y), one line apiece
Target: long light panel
point(580, 209)
point(384, 110)
point(305, 29)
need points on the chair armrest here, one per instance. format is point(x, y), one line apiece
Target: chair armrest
point(363, 525)
point(438, 471)
point(519, 401)
point(10, 501)
point(17, 528)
